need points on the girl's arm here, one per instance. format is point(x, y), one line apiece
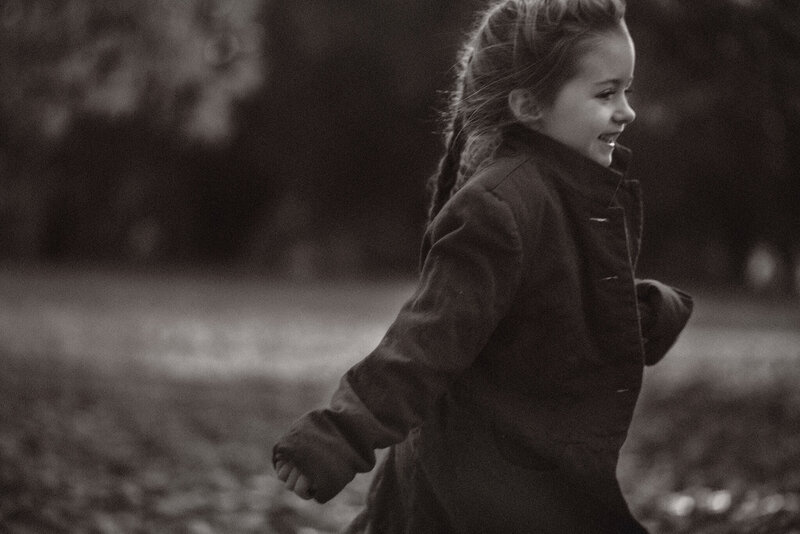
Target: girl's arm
point(470, 273)
point(664, 312)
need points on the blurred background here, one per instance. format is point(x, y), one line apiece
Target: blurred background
point(209, 209)
point(296, 137)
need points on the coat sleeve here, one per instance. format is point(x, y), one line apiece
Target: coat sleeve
point(471, 269)
point(664, 312)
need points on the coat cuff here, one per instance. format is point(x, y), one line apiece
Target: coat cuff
point(330, 446)
point(670, 309)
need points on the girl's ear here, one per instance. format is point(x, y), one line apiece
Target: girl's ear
point(524, 107)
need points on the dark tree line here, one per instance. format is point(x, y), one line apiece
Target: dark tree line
point(299, 135)
point(718, 131)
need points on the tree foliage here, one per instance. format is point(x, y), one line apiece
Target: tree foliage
point(300, 134)
point(719, 120)
point(184, 64)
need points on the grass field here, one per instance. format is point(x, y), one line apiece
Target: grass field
point(143, 403)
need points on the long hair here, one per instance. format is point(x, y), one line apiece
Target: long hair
point(530, 44)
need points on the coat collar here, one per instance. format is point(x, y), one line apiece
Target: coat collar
point(576, 171)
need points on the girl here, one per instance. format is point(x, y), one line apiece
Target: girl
point(506, 385)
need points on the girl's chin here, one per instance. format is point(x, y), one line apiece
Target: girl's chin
point(603, 154)
point(602, 159)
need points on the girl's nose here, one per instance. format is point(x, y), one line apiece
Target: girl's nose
point(625, 113)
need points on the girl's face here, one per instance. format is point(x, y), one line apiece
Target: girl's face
point(591, 110)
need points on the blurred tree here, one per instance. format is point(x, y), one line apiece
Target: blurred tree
point(346, 128)
point(300, 134)
point(719, 117)
point(185, 63)
point(95, 98)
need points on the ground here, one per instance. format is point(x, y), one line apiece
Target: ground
point(150, 403)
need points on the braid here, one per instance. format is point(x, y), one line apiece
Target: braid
point(441, 184)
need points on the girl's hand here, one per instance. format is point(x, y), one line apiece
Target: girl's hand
point(294, 479)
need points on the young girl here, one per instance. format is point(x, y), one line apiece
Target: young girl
point(506, 385)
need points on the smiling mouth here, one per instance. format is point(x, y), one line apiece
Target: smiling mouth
point(610, 138)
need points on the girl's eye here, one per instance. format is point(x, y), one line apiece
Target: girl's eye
point(611, 93)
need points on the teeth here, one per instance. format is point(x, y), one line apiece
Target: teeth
point(610, 139)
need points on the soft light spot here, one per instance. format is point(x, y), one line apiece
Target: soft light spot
point(680, 505)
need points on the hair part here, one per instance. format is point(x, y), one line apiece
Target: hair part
point(518, 44)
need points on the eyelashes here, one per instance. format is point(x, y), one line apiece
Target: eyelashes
point(611, 93)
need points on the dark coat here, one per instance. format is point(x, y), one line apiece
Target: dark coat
point(508, 381)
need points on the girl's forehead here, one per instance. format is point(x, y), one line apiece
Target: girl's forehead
point(610, 56)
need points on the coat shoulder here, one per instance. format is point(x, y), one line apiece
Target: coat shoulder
point(515, 180)
point(521, 184)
